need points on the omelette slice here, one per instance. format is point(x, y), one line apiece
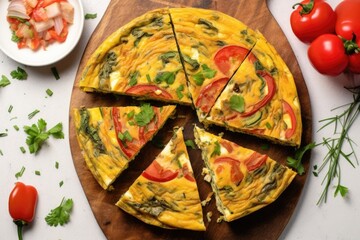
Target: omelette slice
point(139, 59)
point(261, 98)
point(243, 180)
point(110, 137)
point(166, 194)
point(212, 46)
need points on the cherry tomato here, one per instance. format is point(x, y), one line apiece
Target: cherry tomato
point(235, 173)
point(209, 93)
point(155, 172)
point(327, 55)
point(354, 63)
point(348, 19)
point(311, 19)
point(149, 90)
point(255, 161)
point(290, 112)
point(229, 58)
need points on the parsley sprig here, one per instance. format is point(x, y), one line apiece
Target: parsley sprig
point(61, 214)
point(145, 115)
point(37, 134)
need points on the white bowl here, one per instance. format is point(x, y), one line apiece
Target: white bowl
point(42, 57)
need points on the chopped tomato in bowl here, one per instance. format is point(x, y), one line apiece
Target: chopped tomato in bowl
point(40, 32)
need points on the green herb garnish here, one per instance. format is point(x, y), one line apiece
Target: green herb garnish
point(179, 91)
point(217, 149)
point(19, 74)
point(49, 92)
point(10, 108)
point(237, 103)
point(16, 127)
point(61, 214)
point(37, 172)
point(125, 136)
point(57, 165)
point(90, 16)
point(168, 77)
point(295, 162)
point(20, 173)
point(190, 143)
point(3, 134)
point(133, 78)
point(145, 115)
point(4, 81)
point(22, 149)
point(33, 113)
point(206, 72)
point(61, 183)
point(55, 73)
point(37, 134)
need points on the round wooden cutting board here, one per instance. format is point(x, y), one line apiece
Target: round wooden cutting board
point(267, 223)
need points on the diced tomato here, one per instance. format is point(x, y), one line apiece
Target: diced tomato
point(146, 132)
point(236, 175)
point(49, 2)
point(271, 92)
point(39, 15)
point(155, 172)
point(229, 58)
point(148, 90)
point(255, 161)
point(60, 38)
point(130, 148)
point(187, 174)
point(209, 94)
point(288, 110)
point(227, 145)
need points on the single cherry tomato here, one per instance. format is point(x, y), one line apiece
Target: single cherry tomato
point(348, 19)
point(22, 205)
point(155, 172)
point(255, 161)
point(236, 175)
point(229, 58)
point(148, 90)
point(288, 111)
point(209, 93)
point(327, 55)
point(311, 19)
point(354, 63)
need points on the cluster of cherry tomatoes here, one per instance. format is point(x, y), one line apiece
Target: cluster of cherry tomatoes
point(334, 35)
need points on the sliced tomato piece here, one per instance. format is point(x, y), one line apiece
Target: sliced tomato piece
point(187, 174)
point(146, 132)
point(229, 58)
point(49, 2)
point(255, 161)
point(209, 94)
point(155, 172)
point(270, 94)
point(236, 175)
point(149, 90)
point(289, 111)
point(227, 145)
point(130, 148)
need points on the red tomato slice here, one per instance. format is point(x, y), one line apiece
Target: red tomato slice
point(235, 174)
point(209, 93)
point(288, 110)
point(155, 172)
point(148, 90)
point(130, 148)
point(187, 174)
point(146, 132)
point(227, 145)
point(229, 58)
point(255, 161)
point(271, 92)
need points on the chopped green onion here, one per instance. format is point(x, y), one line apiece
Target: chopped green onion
point(16, 127)
point(55, 73)
point(56, 165)
point(190, 143)
point(22, 149)
point(37, 173)
point(61, 183)
point(10, 108)
point(90, 16)
point(32, 114)
point(20, 173)
point(1, 153)
point(49, 92)
point(4, 81)
point(3, 134)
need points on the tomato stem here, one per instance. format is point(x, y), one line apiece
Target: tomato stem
point(350, 45)
point(19, 225)
point(306, 8)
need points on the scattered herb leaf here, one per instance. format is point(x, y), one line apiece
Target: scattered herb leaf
point(22, 149)
point(3, 134)
point(33, 113)
point(49, 92)
point(37, 172)
point(4, 81)
point(20, 173)
point(61, 214)
point(237, 103)
point(55, 73)
point(190, 143)
point(295, 162)
point(61, 183)
point(16, 127)
point(57, 165)
point(217, 149)
point(10, 108)
point(19, 74)
point(145, 115)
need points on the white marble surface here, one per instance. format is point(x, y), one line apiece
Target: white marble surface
point(337, 219)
